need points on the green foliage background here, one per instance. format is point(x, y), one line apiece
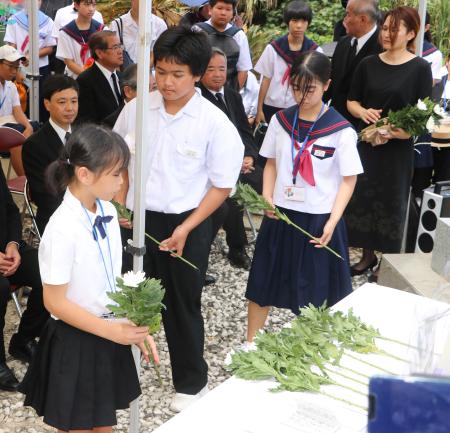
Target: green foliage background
point(264, 19)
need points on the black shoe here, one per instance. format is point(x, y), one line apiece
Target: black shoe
point(8, 381)
point(22, 352)
point(372, 278)
point(239, 258)
point(209, 279)
point(354, 272)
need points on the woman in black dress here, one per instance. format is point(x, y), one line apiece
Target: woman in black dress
point(389, 81)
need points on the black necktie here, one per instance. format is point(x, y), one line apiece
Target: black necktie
point(98, 224)
point(352, 52)
point(66, 137)
point(116, 87)
point(221, 102)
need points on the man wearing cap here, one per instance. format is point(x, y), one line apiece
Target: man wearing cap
point(11, 113)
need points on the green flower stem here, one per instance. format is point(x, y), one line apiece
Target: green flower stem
point(173, 252)
point(286, 219)
point(344, 401)
point(401, 343)
point(158, 373)
point(370, 364)
point(349, 388)
point(354, 371)
point(345, 376)
point(398, 358)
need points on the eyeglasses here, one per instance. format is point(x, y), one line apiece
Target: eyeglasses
point(11, 65)
point(118, 47)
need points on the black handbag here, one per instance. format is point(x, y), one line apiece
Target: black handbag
point(126, 57)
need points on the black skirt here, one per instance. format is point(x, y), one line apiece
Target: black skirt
point(77, 380)
point(376, 214)
point(289, 272)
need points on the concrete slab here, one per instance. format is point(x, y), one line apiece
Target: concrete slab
point(413, 273)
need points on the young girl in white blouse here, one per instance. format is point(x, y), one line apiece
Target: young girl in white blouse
point(275, 63)
point(83, 370)
point(310, 174)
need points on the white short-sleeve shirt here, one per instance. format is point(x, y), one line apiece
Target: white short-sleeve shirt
point(244, 62)
point(186, 153)
point(249, 94)
point(328, 172)
point(9, 98)
point(272, 66)
point(131, 32)
point(435, 61)
point(67, 14)
point(17, 35)
point(69, 254)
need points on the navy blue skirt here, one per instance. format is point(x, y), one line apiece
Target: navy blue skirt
point(289, 272)
point(78, 380)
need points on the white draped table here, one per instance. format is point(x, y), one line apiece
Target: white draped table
point(238, 406)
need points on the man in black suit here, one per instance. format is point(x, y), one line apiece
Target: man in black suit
point(19, 266)
point(361, 22)
point(99, 85)
point(229, 101)
point(60, 94)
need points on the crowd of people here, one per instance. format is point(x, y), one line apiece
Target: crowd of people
point(205, 108)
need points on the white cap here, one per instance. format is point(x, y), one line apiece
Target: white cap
point(9, 53)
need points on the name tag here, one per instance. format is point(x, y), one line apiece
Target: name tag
point(294, 193)
point(319, 153)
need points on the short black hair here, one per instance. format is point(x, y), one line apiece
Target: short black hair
point(97, 41)
point(184, 46)
point(129, 77)
point(297, 10)
point(57, 83)
point(88, 2)
point(212, 3)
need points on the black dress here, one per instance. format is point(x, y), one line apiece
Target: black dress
point(376, 214)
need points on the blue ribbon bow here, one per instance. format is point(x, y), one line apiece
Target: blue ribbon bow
point(98, 224)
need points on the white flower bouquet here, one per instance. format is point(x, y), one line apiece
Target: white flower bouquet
point(140, 301)
point(414, 119)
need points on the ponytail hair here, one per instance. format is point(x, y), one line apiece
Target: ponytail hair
point(92, 146)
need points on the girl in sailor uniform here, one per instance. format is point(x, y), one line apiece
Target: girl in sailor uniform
point(275, 62)
point(311, 170)
point(83, 369)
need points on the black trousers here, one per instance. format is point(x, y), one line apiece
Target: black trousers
point(182, 318)
point(35, 316)
point(230, 215)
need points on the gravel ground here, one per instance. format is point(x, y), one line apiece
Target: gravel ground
point(224, 310)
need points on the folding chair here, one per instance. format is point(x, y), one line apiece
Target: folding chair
point(9, 138)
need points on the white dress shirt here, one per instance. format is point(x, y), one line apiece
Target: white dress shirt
point(328, 172)
point(363, 39)
point(60, 131)
point(67, 14)
point(130, 31)
point(9, 98)
point(249, 94)
point(186, 153)
point(68, 254)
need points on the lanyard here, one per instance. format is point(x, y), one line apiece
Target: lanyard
point(296, 159)
point(113, 285)
point(4, 97)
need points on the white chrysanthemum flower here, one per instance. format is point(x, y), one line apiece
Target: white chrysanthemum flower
point(132, 279)
point(430, 124)
point(421, 105)
point(439, 110)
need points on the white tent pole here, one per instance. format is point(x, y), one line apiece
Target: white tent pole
point(33, 46)
point(143, 81)
point(420, 36)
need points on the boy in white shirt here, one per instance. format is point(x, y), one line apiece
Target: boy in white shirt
point(194, 156)
point(73, 39)
point(17, 36)
point(219, 30)
point(127, 27)
point(11, 113)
